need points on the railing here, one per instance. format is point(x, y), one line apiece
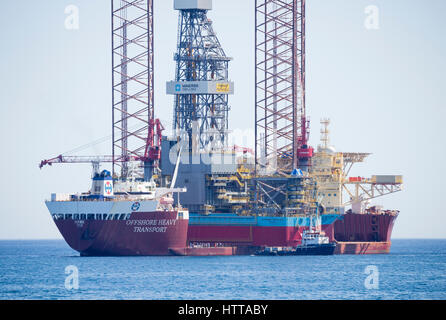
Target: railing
point(115, 199)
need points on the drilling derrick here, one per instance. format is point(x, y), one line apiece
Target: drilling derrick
point(136, 135)
point(201, 85)
point(282, 128)
point(133, 79)
point(282, 154)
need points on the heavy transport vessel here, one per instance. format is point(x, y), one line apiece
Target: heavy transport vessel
point(126, 219)
point(236, 199)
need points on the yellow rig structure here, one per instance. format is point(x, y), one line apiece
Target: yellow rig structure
point(320, 190)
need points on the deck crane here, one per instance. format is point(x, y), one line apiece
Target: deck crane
point(151, 157)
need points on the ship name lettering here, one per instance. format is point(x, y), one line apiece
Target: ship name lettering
point(162, 222)
point(167, 222)
point(141, 222)
point(149, 229)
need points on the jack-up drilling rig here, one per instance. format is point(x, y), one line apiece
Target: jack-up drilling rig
point(246, 202)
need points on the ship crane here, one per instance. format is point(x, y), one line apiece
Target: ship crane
point(80, 159)
point(151, 156)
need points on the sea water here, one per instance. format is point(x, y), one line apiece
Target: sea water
point(50, 269)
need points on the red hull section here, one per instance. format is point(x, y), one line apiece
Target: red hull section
point(362, 247)
point(364, 233)
point(217, 251)
point(150, 233)
point(161, 233)
point(355, 234)
point(246, 235)
point(364, 227)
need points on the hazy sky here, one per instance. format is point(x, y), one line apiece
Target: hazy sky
point(384, 91)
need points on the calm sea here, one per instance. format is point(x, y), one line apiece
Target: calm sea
point(416, 269)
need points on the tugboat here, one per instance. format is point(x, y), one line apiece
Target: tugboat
point(314, 242)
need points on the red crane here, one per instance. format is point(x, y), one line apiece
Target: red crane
point(153, 145)
point(152, 152)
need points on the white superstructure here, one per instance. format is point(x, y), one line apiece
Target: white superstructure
point(114, 201)
point(314, 237)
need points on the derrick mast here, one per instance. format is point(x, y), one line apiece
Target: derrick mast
point(282, 154)
point(133, 81)
point(201, 85)
point(281, 125)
